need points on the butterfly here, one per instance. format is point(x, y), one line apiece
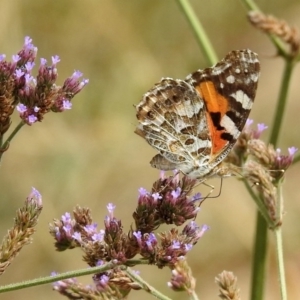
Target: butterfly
point(194, 123)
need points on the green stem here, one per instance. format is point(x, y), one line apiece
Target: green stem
point(281, 102)
point(7, 142)
point(148, 288)
point(279, 244)
point(280, 262)
point(71, 274)
point(259, 258)
point(259, 202)
point(199, 32)
point(49, 279)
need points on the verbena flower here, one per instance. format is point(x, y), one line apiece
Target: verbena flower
point(169, 202)
point(33, 97)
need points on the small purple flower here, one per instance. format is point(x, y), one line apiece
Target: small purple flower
point(260, 128)
point(28, 78)
point(2, 57)
point(67, 104)
point(15, 58)
point(98, 237)
point(29, 66)
point(35, 193)
point(77, 236)
point(43, 61)
point(138, 236)
point(104, 279)
point(35, 197)
point(175, 194)
point(142, 192)
point(282, 162)
point(151, 241)
point(21, 108)
point(204, 228)
point(55, 59)
point(32, 119)
point(27, 40)
point(292, 151)
point(19, 73)
point(99, 263)
point(176, 245)
point(248, 124)
point(68, 228)
point(188, 247)
point(197, 197)
point(156, 196)
point(58, 235)
point(110, 207)
point(66, 218)
point(91, 228)
point(76, 75)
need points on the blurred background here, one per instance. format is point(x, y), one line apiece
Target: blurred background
point(90, 155)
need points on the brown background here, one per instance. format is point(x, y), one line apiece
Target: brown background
point(90, 155)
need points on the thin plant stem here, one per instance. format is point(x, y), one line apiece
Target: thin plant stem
point(199, 32)
point(148, 288)
point(279, 245)
point(11, 136)
point(259, 203)
point(66, 275)
point(49, 279)
point(281, 102)
point(259, 258)
point(280, 262)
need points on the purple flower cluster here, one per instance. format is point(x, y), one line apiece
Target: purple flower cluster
point(169, 202)
point(33, 97)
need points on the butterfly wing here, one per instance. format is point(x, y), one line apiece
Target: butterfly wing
point(228, 90)
point(172, 120)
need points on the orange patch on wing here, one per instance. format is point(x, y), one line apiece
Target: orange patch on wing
point(215, 103)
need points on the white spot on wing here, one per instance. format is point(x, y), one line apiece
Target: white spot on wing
point(242, 97)
point(254, 77)
point(230, 127)
point(230, 79)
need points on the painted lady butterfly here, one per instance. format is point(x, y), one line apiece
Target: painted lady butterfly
point(194, 123)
